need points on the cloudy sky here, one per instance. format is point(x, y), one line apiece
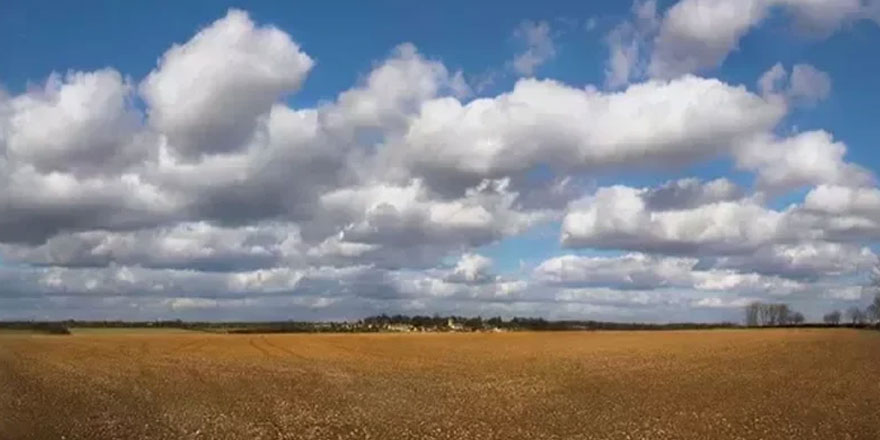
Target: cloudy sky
point(650, 161)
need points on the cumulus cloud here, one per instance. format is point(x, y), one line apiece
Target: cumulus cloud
point(546, 122)
point(810, 260)
point(197, 245)
point(82, 123)
point(627, 43)
point(691, 193)
point(427, 287)
point(400, 221)
point(206, 94)
point(539, 47)
point(773, 80)
point(842, 200)
point(806, 85)
point(472, 268)
point(35, 206)
point(822, 17)
point(630, 271)
point(809, 84)
point(697, 35)
point(805, 159)
point(618, 217)
point(390, 95)
point(646, 272)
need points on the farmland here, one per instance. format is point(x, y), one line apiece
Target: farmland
point(724, 384)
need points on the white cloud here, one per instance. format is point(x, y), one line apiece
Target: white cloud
point(630, 271)
point(539, 47)
point(805, 159)
point(847, 293)
point(196, 245)
point(822, 17)
point(81, 123)
point(690, 193)
point(714, 302)
point(841, 200)
point(806, 85)
point(618, 217)
point(697, 35)
point(403, 216)
point(831, 225)
point(746, 282)
point(638, 271)
point(809, 84)
point(546, 122)
point(426, 287)
point(266, 280)
point(627, 43)
point(625, 299)
point(390, 95)
point(810, 260)
point(773, 80)
point(35, 206)
point(473, 269)
point(207, 93)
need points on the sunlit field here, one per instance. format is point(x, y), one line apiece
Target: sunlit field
point(724, 384)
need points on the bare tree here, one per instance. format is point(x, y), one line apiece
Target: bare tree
point(855, 315)
point(763, 314)
point(873, 310)
point(782, 314)
point(752, 311)
point(832, 318)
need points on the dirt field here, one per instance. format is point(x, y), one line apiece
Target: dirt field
point(722, 384)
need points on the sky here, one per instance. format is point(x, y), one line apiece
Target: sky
point(651, 161)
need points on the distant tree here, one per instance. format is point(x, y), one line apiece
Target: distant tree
point(474, 323)
point(764, 314)
point(832, 318)
point(856, 315)
point(752, 314)
point(797, 318)
point(781, 314)
point(873, 310)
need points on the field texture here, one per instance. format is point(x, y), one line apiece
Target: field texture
point(723, 384)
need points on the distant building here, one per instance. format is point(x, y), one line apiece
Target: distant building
point(399, 328)
point(452, 325)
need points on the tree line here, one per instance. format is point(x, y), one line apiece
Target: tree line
point(378, 323)
point(856, 315)
point(759, 314)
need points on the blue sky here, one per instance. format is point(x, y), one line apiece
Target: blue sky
point(311, 180)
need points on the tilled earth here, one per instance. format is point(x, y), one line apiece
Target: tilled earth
point(721, 384)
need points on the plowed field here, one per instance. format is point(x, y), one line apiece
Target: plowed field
point(722, 384)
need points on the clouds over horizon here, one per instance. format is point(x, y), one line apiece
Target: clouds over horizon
point(200, 191)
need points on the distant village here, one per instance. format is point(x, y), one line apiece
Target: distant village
point(404, 324)
point(416, 324)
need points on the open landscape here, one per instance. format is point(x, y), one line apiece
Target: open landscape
point(720, 384)
point(419, 220)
